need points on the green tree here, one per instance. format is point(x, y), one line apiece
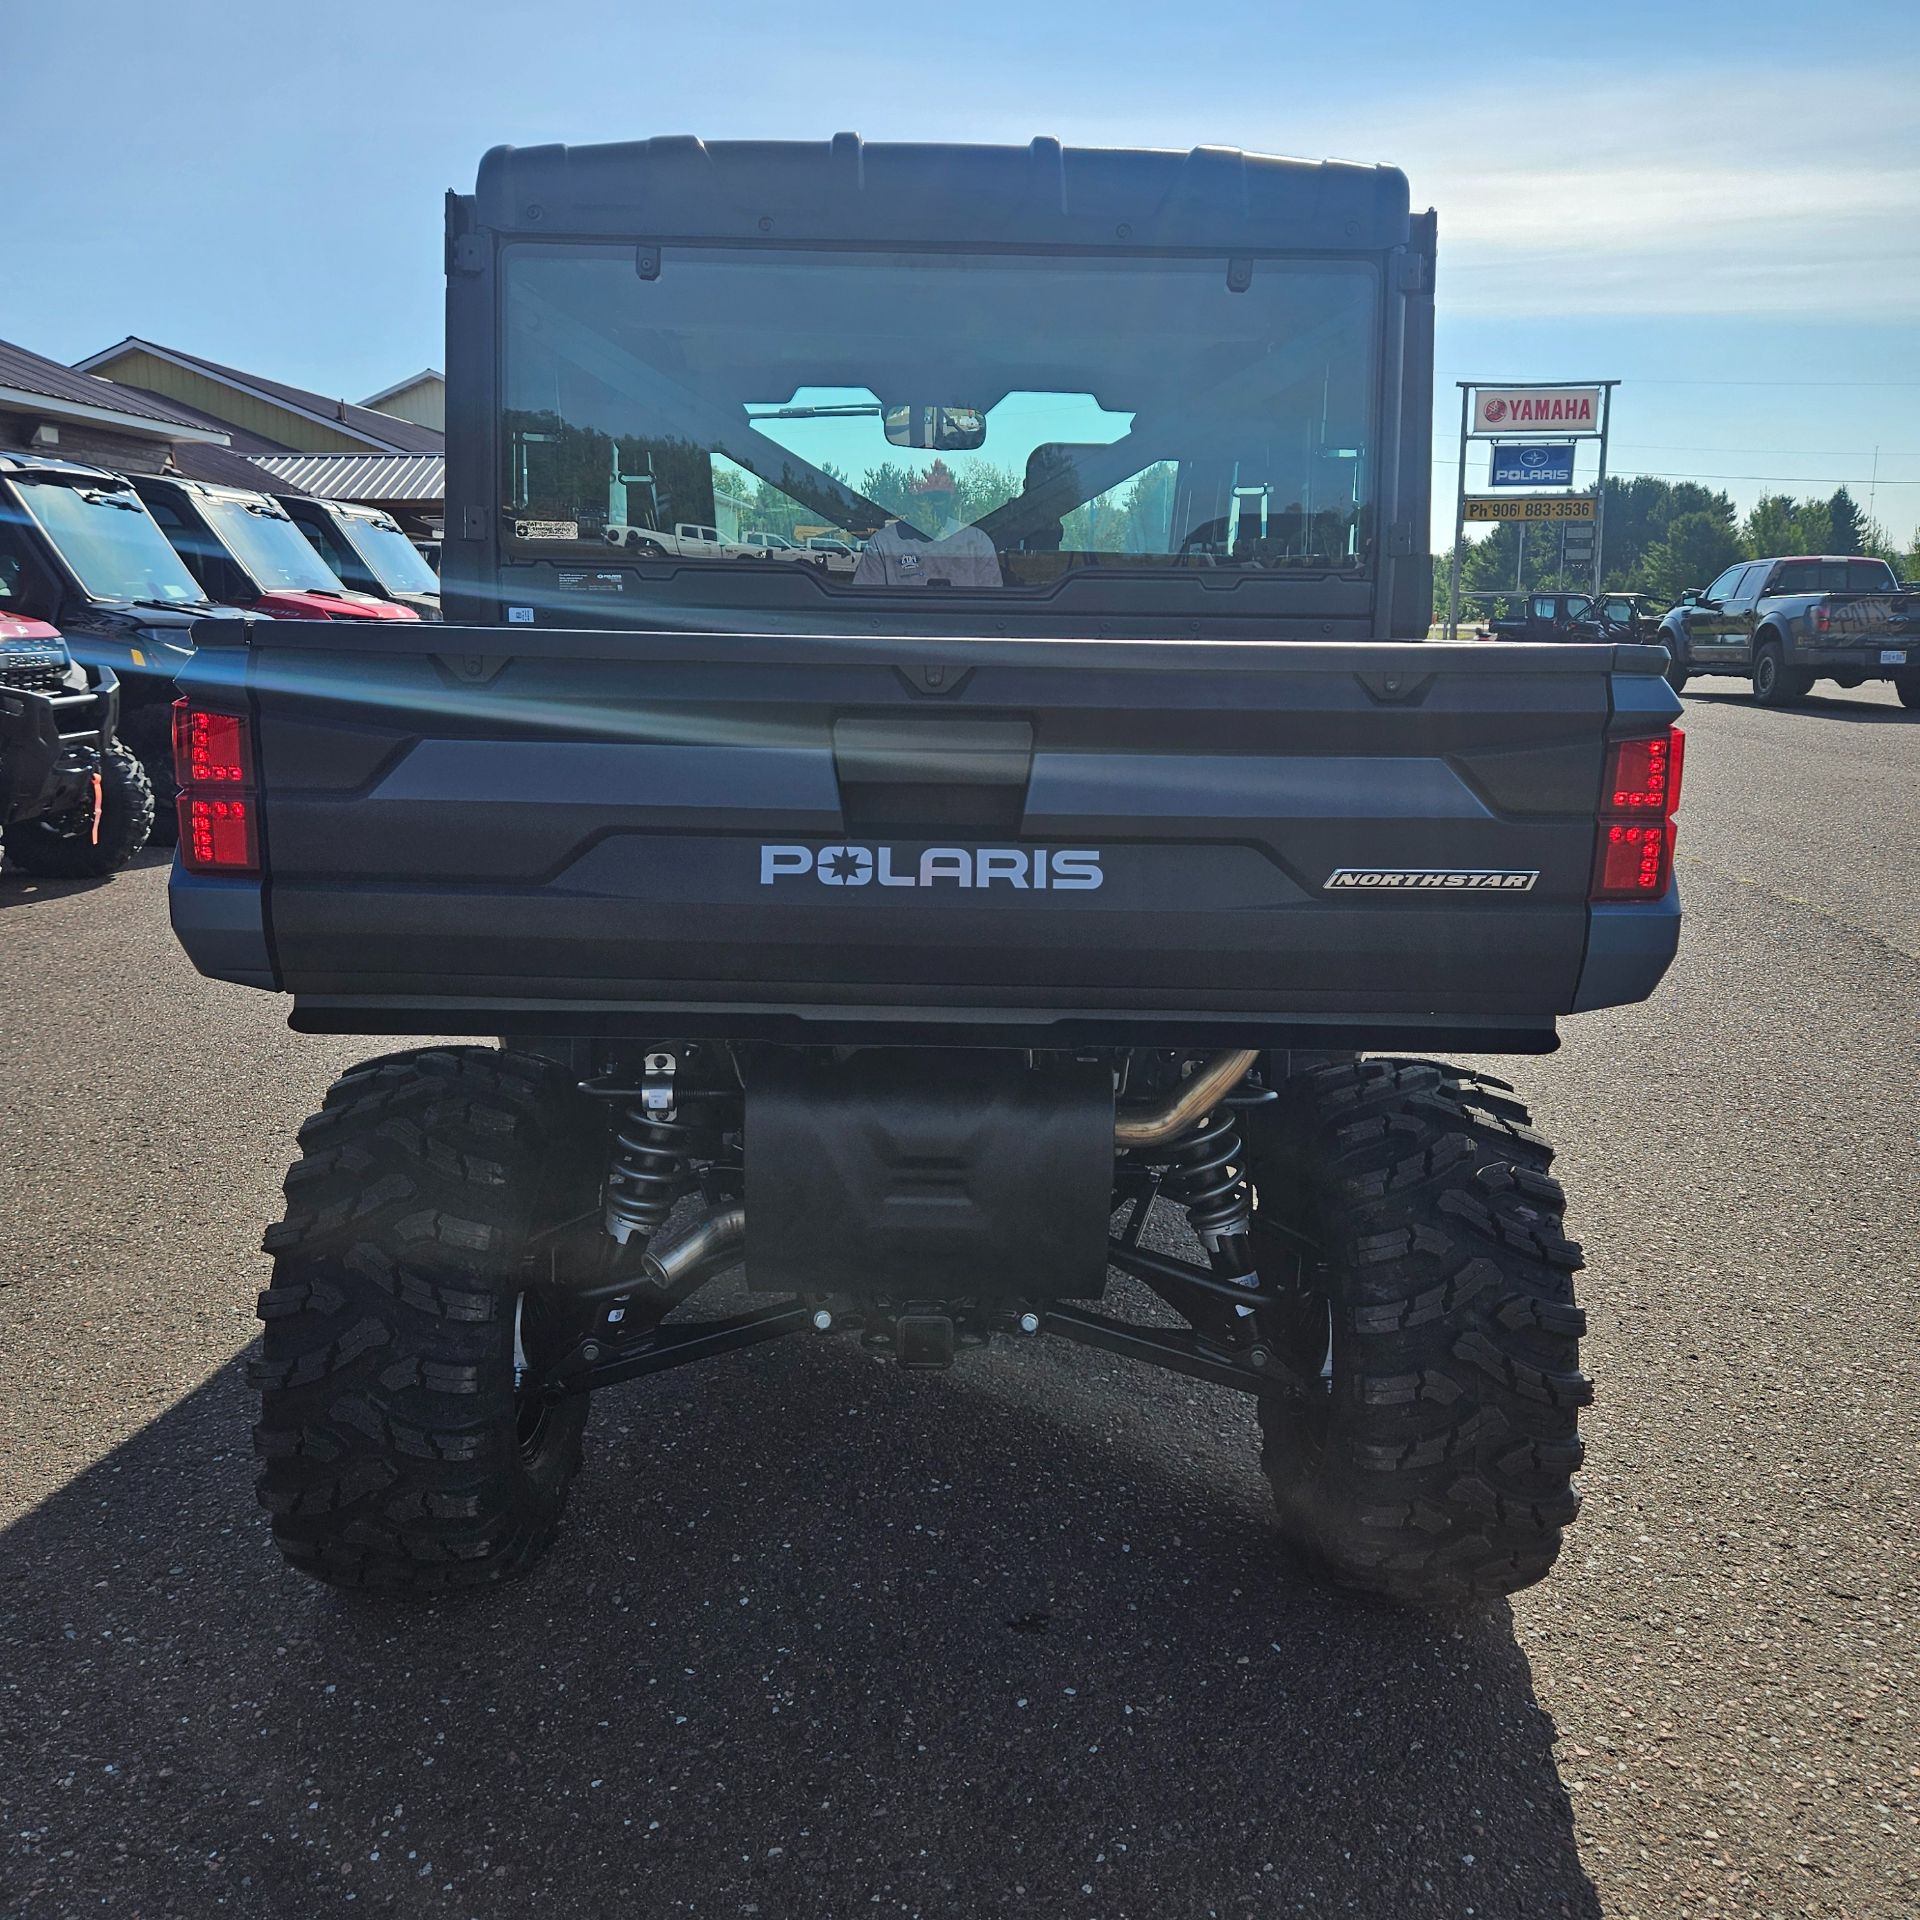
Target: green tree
point(1695, 548)
point(1812, 528)
point(1848, 523)
point(979, 487)
point(1770, 527)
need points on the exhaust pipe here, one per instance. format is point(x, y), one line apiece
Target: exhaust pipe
point(1155, 1126)
point(713, 1243)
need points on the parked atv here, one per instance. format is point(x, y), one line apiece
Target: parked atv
point(74, 803)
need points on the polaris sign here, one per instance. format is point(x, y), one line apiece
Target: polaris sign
point(1532, 465)
point(1041, 870)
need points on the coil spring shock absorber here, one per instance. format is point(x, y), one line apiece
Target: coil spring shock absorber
point(1207, 1175)
point(650, 1145)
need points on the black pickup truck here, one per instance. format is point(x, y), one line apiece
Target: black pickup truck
point(1782, 624)
point(940, 936)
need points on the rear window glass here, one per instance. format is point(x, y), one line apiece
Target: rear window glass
point(1832, 576)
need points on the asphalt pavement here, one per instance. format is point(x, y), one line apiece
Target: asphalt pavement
point(825, 1639)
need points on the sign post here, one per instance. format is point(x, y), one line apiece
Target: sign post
point(1534, 428)
point(1459, 523)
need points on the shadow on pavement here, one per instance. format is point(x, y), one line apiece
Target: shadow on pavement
point(1831, 706)
point(20, 889)
point(819, 1638)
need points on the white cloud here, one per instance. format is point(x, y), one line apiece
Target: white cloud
point(1676, 209)
point(1713, 191)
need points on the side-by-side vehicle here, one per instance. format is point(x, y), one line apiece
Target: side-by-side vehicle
point(245, 550)
point(79, 549)
point(367, 549)
point(74, 803)
point(1032, 927)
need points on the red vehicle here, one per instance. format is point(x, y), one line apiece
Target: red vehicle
point(246, 552)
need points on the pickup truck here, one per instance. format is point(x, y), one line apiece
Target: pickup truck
point(1784, 623)
point(933, 950)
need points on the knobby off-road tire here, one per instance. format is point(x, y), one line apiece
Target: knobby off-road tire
point(147, 733)
point(394, 1449)
point(1435, 1465)
point(64, 849)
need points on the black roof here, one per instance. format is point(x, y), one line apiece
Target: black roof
point(34, 373)
point(1041, 194)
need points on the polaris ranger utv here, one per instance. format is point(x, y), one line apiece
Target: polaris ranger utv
point(74, 803)
point(941, 936)
point(78, 550)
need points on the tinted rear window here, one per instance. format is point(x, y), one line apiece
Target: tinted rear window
point(1832, 576)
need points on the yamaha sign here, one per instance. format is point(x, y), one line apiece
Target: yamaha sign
point(1532, 465)
point(1557, 410)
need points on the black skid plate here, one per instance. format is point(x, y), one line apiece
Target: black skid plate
point(937, 1176)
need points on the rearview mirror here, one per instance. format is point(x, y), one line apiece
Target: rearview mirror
point(937, 429)
point(1691, 598)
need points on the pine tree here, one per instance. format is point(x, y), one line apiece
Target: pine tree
point(1849, 524)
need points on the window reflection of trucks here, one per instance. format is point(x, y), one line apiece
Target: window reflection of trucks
point(689, 540)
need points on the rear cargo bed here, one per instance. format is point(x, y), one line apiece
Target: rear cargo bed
point(478, 829)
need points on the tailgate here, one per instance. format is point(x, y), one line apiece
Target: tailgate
point(1873, 616)
point(492, 829)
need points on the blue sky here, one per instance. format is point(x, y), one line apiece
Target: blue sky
point(1715, 204)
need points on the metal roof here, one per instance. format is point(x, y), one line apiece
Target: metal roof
point(32, 374)
point(223, 469)
point(382, 430)
point(360, 476)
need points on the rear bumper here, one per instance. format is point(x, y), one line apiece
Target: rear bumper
point(1629, 949)
point(914, 1023)
point(222, 926)
point(1825, 662)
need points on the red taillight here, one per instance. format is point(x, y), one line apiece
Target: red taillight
point(219, 836)
point(219, 811)
point(1634, 858)
point(1822, 617)
point(211, 750)
point(1641, 777)
point(1635, 861)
